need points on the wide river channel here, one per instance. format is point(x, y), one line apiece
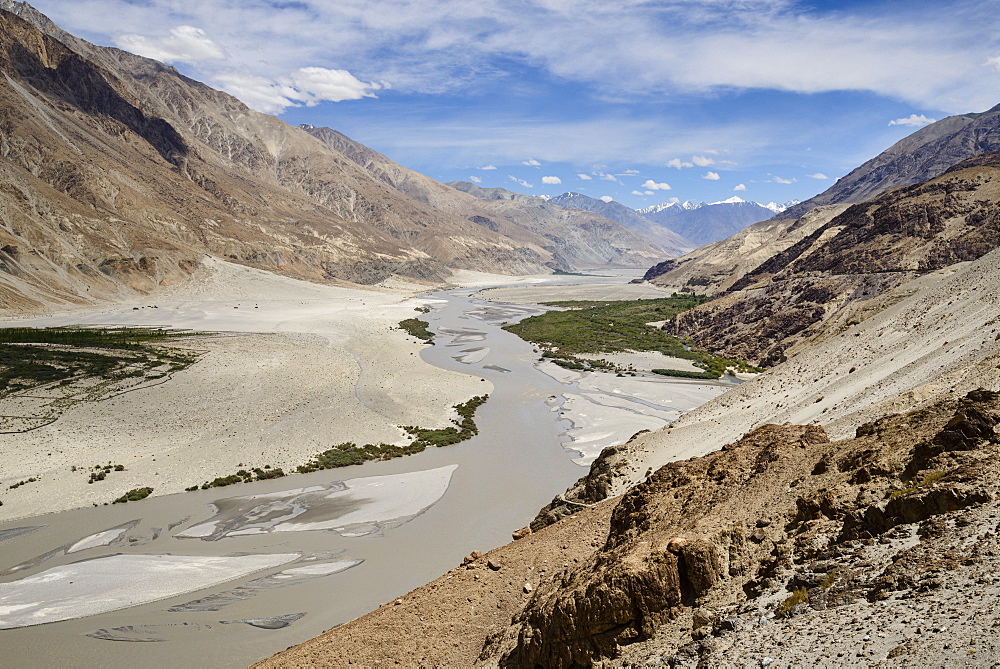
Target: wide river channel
point(308, 552)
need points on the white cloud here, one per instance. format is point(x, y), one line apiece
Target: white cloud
point(584, 177)
point(652, 185)
point(780, 180)
point(740, 187)
point(631, 172)
point(475, 180)
point(711, 176)
point(702, 161)
point(678, 163)
point(551, 180)
point(606, 198)
point(489, 167)
point(913, 120)
point(308, 86)
point(520, 182)
point(638, 192)
point(531, 163)
point(318, 83)
point(933, 59)
point(184, 44)
point(647, 192)
point(606, 177)
point(818, 175)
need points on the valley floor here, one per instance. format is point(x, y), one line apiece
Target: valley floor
point(287, 370)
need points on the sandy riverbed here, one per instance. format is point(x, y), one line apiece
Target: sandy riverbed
point(301, 367)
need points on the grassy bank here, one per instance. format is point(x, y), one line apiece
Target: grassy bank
point(594, 327)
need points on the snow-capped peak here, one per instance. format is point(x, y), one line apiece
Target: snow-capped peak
point(656, 208)
point(778, 208)
point(736, 199)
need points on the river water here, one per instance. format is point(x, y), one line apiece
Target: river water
point(308, 552)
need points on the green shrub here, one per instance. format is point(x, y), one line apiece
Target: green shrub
point(685, 374)
point(134, 495)
point(799, 596)
point(417, 328)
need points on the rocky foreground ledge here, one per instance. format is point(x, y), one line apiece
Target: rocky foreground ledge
point(781, 547)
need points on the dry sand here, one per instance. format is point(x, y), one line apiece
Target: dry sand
point(302, 367)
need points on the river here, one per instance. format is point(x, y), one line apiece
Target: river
point(309, 551)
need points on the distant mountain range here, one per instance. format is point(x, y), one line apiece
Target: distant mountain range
point(660, 235)
point(705, 223)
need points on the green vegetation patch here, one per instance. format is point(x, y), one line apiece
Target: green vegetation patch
point(134, 495)
point(916, 485)
point(50, 369)
point(417, 328)
point(787, 607)
point(587, 327)
point(241, 476)
point(350, 453)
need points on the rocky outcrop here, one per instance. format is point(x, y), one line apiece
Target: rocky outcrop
point(740, 525)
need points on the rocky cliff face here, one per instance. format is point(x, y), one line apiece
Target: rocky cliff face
point(852, 258)
point(781, 511)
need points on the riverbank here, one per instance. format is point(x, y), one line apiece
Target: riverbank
point(296, 369)
point(357, 537)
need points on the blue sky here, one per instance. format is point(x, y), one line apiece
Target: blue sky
point(639, 100)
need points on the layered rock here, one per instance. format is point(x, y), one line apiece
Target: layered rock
point(816, 285)
point(723, 530)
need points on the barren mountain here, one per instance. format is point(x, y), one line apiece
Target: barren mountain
point(659, 234)
point(715, 267)
point(826, 280)
point(569, 237)
point(712, 222)
point(925, 154)
point(119, 174)
point(580, 237)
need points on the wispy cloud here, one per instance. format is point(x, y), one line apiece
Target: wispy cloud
point(488, 167)
point(520, 182)
point(817, 175)
point(939, 60)
point(531, 163)
point(183, 44)
point(584, 177)
point(702, 161)
point(677, 163)
point(780, 180)
point(475, 180)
